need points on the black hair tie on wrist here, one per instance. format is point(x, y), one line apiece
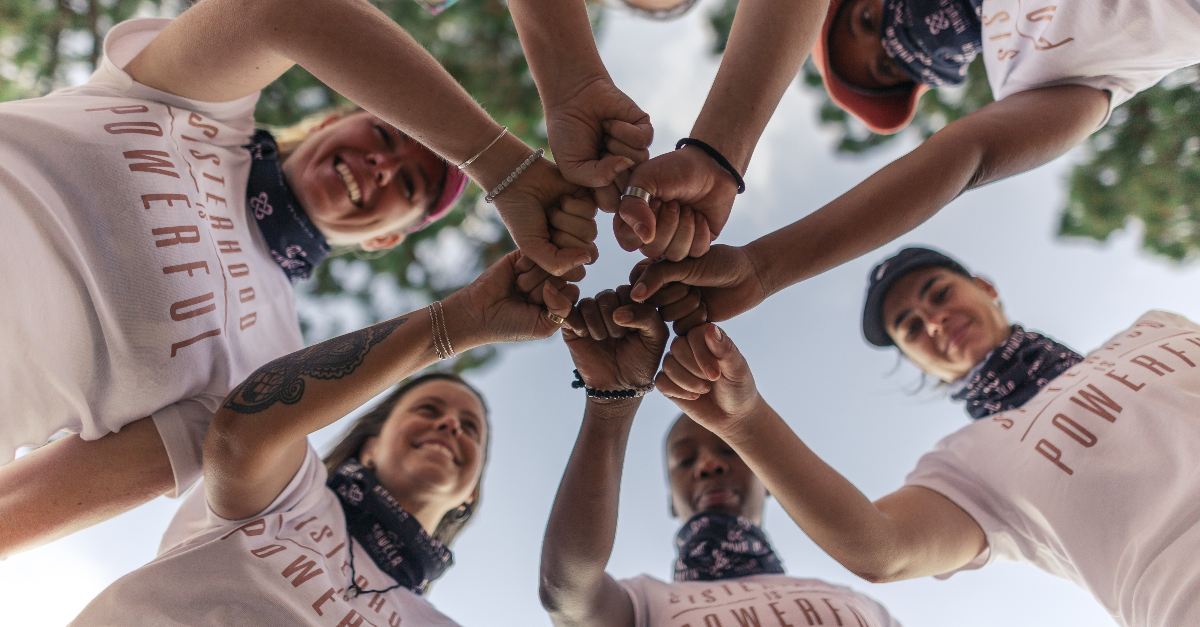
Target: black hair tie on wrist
point(717, 156)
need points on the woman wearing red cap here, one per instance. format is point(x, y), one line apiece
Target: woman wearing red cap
point(151, 236)
point(1081, 466)
point(1057, 70)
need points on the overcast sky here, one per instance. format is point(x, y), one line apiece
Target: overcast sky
point(847, 400)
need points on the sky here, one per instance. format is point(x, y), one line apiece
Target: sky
point(852, 404)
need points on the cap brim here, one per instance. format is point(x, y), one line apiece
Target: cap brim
point(452, 188)
point(885, 113)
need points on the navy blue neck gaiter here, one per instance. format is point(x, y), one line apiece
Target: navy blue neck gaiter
point(295, 243)
point(933, 41)
point(1014, 373)
point(723, 546)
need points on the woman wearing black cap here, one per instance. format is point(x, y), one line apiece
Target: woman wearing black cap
point(1092, 479)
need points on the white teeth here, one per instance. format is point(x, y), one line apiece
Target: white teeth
point(348, 180)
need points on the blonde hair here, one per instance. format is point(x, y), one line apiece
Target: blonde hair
point(290, 137)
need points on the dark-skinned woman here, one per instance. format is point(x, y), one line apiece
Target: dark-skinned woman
point(726, 571)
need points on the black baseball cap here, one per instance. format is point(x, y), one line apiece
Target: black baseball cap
point(885, 275)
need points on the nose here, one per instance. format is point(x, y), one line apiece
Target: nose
point(709, 465)
point(450, 423)
point(384, 166)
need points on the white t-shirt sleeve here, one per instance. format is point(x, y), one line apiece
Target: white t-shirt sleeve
point(636, 589)
point(944, 472)
point(194, 517)
point(182, 427)
point(124, 42)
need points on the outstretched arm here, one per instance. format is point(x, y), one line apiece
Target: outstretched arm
point(225, 49)
point(256, 441)
point(767, 44)
point(594, 129)
point(72, 484)
point(912, 532)
point(616, 347)
point(999, 140)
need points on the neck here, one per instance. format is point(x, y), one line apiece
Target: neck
point(428, 511)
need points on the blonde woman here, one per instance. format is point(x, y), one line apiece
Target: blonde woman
point(151, 235)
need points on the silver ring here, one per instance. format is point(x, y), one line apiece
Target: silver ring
point(637, 192)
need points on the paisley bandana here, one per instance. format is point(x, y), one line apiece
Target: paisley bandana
point(396, 542)
point(933, 41)
point(295, 243)
point(716, 546)
point(1014, 373)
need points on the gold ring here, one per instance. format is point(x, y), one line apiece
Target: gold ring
point(558, 320)
point(637, 192)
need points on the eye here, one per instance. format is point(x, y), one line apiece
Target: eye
point(866, 19)
point(428, 410)
point(939, 297)
point(384, 135)
point(913, 328)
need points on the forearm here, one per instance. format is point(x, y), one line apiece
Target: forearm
point(556, 36)
point(830, 510)
point(226, 49)
point(767, 44)
point(72, 484)
point(889, 203)
point(300, 393)
point(1002, 139)
point(583, 521)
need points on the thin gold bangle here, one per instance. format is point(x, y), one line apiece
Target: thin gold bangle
point(503, 130)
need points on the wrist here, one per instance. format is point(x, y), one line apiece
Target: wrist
point(731, 149)
point(463, 329)
point(613, 409)
point(497, 162)
point(764, 271)
point(739, 429)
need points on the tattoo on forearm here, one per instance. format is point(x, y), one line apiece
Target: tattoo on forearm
point(282, 380)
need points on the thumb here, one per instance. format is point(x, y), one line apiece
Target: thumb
point(658, 274)
point(645, 319)
point(729, 359)
point(596, 172)
point(636, 212)
point(551, 258)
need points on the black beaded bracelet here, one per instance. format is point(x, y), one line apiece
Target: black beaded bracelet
point(717, 156)
point(610, 394)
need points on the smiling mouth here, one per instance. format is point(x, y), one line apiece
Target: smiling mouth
point(352, 189)
point(442, 447)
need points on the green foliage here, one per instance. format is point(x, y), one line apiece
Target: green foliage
point(46, 44)
point(1142, 166)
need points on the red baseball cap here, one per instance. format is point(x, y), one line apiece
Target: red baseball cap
point(884, 112)
point(452, 188)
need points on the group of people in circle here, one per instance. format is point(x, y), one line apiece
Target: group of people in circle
point(153, 234)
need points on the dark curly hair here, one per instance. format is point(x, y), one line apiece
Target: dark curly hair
point(371, 423)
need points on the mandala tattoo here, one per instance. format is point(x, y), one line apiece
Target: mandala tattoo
point(282, 380)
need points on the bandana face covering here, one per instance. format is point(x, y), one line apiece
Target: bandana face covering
point(295, 243)
point(716, 546)
point(1014, 373)
point(933, 41)
point(396, 542)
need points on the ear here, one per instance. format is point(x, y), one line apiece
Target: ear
point(333, 117)
point(382, 242)
point(988, 288)
point(368, 450)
